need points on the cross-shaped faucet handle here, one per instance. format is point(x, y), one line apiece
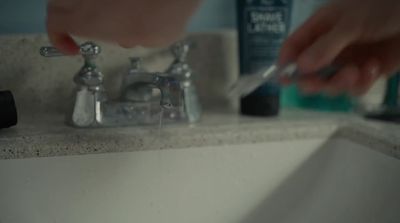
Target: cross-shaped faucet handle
point(87, 49)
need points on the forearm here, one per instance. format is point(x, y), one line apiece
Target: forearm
point(126, 22)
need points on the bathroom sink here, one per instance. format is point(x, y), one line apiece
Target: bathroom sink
point(300, 181)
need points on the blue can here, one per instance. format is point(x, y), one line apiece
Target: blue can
point(263, 26)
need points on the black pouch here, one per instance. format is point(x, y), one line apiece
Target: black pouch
point(8, 110)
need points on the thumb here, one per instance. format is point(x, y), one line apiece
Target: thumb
point(60, 39)
point(388, 54)
point(64, 43)
point(385, 52)
point(325, 49)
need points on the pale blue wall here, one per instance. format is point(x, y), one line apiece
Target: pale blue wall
point(22, 16)
point(27, 16)
point(214, 14)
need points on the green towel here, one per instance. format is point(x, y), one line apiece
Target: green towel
point(392, 92)
point(292, 98)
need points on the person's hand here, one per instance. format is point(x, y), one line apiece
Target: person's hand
point(362, 36)
point(125, 22)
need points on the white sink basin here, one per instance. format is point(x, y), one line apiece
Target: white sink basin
point(306, 181)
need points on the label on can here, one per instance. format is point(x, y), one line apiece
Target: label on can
point(263, 26)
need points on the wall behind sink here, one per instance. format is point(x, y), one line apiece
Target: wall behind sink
point(21, 16)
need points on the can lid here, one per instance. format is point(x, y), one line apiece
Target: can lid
point(8, 110)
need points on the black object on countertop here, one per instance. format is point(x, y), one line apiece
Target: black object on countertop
point(393, 117)
point(391, 103)
point(8, 110)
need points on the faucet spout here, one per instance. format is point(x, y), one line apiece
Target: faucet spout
point(171, 92)
point(170, 88)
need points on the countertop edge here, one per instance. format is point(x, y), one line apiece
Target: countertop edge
point(59, 140)
point(121, 140)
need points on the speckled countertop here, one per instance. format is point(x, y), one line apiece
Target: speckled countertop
point(43, 87)
point(48, 136)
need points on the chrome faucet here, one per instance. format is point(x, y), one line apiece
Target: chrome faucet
point(134, 89)
point(92, 108)
point(180, 70)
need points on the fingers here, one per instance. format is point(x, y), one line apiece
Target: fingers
point(388, 54)
point(341, 82)
point(329, 39)
point(126, 22)
point(306, 34)
point(325, 50)
point(370, 72)
point(311, 85)
point(63, 42)
point(151, 39)
point(352, 79)
point(385, 53)
point(57, 34)
point(344, 81)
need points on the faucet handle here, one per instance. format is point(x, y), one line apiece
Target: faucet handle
point(49, 51)
point(90, 49)
point(181, 49)
point(87, 50)
point(88, 75)
point(136, 63)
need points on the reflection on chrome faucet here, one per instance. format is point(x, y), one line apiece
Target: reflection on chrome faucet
point(92, 108)
point(180, 70)
point(136, 89)
point(132, 85)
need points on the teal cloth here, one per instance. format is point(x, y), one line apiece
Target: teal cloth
point(291, 97)
point(392, 92)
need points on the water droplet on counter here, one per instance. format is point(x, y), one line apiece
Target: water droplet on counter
point(160, 123)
